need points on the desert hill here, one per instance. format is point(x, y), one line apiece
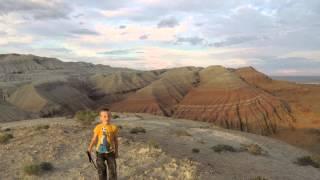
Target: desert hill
point(169, 148)
point(10, 112)
point(226, 100)
point(254, 77)
point(17, 70)
point(116, 86)
point(161, 95)
point(51, 98)
point(241, 99)
point(122, 82)
point(303, 101)
point(46, 86)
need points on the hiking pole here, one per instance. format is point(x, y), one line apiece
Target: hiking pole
point(91, 160)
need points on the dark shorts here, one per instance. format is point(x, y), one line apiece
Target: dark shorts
point(102, 166)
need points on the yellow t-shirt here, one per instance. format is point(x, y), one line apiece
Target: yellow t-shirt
point(110, 131)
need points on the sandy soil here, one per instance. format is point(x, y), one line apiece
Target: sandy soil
point(163, 152)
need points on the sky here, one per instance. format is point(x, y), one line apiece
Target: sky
point(277, 37)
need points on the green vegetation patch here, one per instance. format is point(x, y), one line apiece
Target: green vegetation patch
point(182, 133)
point(153, 144)
point(313, 161)
point(223, 147)
point(195, 150)
point(254, 149)
point(37, 168)
point(39, 127)
point(115, 116)
point(258, 178)
point(87, 117)
point(137, 130)
point(5, 137)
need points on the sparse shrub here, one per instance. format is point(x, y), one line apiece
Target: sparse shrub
point(137, 130)
point(5, 137)
point(86, 117)
point(195, 150)
point(69, 116)
point(201, 141)
point(204, 127)
point(153, 144)
point(46, 166)
point(50, 111)
point(37, 168)
point(258, 178)
point(316, 158)
point(223, 147)
point(254, 149)
point(5, 129)
point(315, 131)
point(309, 160)
point(182, 133)
point(115, 116)
point(32, 169)
point(39, 127)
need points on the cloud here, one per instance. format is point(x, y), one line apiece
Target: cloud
point(78, 15)
point(121, 12)
point(118, 52)
point(39, 10)
point(16, 40)
point(125, 59)
point(121, 55)
point(189, 40)
point(2, 33)
point(288, 66)
point(237, 40)
point(311, 54)
point(143, 37)
point(84, 32)
point(168, 23)
point(276, 36)
point(60, 50)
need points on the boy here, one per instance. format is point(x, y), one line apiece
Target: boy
point(105, 138)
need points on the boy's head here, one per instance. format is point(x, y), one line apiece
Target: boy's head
point(105, 115)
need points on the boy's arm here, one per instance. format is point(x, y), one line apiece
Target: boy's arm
point(93, 141)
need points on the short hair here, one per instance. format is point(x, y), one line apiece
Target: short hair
point(105, 109)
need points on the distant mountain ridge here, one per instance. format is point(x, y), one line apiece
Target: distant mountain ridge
point(16, 63)
point(299, 79)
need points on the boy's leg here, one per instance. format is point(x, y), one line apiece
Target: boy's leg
point(101, 166)
point(112, 166)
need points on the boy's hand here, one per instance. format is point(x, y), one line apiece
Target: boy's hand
point(89, 149)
